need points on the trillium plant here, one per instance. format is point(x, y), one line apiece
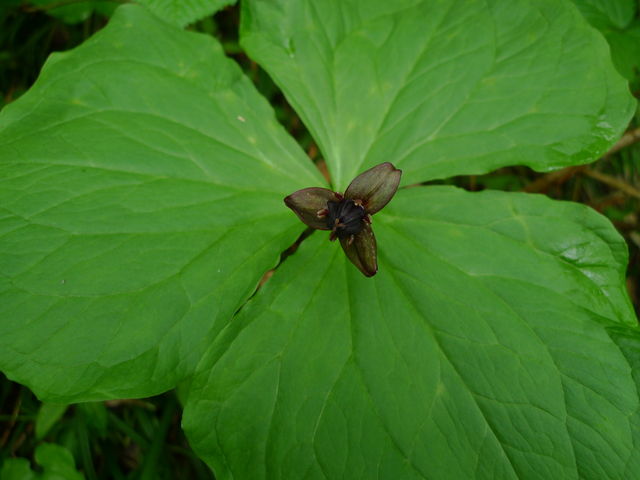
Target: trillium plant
point(348, 216)
point(142, 180)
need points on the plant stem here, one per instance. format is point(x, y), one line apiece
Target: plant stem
point(612, 182)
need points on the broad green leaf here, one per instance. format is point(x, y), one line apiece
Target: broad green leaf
point(16, 469)
point(441, 87)
point(625, 51)
point(56, 464)
point(77, 11)
point(181, 12)
point(480, 350)
point(141, 187)
point(628, 339)
point(615, 19)
point(48, 415)
point(605, 14)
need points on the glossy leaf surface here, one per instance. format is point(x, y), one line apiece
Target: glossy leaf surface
point(141, 188)
point(181, 12)
point(479, 350)
point(140, 203)
point(608, 14)
point(616, 20)
point(441, 88)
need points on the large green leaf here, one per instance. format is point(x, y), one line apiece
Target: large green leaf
point(441, 87)
point(76, 11)
point(181, 12)
point(625, 51)
point(480, 350)
point(615, 19)
point(141, 186)
point(606, 14)
point(56, 464)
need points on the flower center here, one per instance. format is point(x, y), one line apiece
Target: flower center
point(345, 217)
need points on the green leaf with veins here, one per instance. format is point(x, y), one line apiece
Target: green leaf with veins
point(141, 188)
point(608, 14)
point(74, 13)
point(55, 460)
point(479, 350)
point(181, 12)
point(616, 20)
point(625, 51)
point(441, 88)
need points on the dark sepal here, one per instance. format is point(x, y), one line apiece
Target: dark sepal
point(362, 250)
point(306, 204)
point(375, 187)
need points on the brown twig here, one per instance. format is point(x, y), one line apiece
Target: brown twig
point(612, 182)
point(11, 423)
point(557, 176)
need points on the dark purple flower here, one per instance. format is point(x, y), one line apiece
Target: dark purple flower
point(348, 216)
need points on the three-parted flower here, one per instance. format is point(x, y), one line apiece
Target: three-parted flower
point(348, 215)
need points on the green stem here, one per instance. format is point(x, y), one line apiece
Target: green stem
point(152, 458)
point(85, 448)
